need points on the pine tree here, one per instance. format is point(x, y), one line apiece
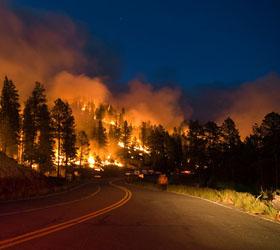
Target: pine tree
point(100, 112)
point(230, 134)
point(9, 118)
point(178, 149)
point(196, 145)
point(231, 145)
point(156, 142)
point(126, 134)
point(94, 130)
point(83, 146)
point(58, 117)
point(270, 137)
point(29, 133)
point(69, 136)
point(213, 150)
point(144, 133)
point(37, 136)
point(125, 139)
point(101, 135)
point(45, 144)
point(64, 132)
point(114, 133)
point(111, 133)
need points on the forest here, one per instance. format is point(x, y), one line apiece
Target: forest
point(52, 137)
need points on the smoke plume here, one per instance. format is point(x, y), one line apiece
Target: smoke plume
point(76, 87)
point(35, 48)
point(143, 103)
point(252, 101)
point(52, 49)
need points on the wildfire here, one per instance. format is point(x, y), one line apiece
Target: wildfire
point(98, 158)
point(102, 163)
point(111, 122)
point(91, 161)
point(108, 162)
point(58, 158)
point(139, 147)
point(142, 148)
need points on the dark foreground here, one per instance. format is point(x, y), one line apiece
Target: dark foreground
point(101, 216)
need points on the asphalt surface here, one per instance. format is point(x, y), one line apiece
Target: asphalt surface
point(104, 216)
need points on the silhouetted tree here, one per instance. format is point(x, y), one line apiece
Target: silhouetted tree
point(9, 118)
point(37, 134)
point(213, 150)
point(45, 144)
point(196, 149)
point(83, 146)
point(29, 133)
point(125, 139)
point(144, 133)
point(231, 147)
point(100, 112)
point(64, 132)
point(156, 142)
point(101, 135)
point(114, 133)
point(69, 136)
point(270, 137)
point(58, 114)
point(126, 134)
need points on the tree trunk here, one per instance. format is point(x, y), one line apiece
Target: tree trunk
point(58, 156)
point(66, 163)
point(81, 157)
point(276, 170)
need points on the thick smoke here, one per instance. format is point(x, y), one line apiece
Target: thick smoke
point(52, 49)
point(76, 87)
point(252, 101)
point(36, 48)
point(143, 103)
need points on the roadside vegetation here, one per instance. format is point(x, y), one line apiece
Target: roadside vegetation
point(244, 201)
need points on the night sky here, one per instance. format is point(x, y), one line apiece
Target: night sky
point(182, 42)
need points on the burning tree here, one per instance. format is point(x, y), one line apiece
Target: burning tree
point(83, 148)
point(64, 132)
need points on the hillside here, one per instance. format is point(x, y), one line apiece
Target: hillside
point(18, 182)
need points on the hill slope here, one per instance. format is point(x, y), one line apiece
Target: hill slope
point(17, 181)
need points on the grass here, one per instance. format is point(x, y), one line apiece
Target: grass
point(241, 200)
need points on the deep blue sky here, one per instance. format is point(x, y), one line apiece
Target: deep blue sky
point(186, 42)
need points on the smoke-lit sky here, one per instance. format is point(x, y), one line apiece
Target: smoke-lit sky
point(186, 42)
point(164, 61)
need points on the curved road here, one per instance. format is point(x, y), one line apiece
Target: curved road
point(115, 216)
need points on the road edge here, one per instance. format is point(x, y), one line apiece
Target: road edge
point(213, 202)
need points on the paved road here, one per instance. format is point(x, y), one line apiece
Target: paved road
point(103, 216)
